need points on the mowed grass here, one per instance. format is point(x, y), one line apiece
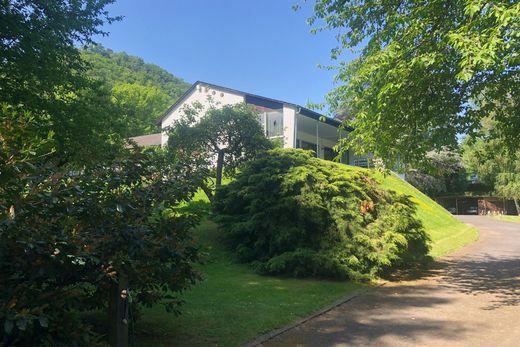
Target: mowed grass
point(447, 233)
point(233, 305)
point(515, 219)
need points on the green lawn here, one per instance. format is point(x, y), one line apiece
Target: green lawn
point(446, 232)
point(515, 219)
point(232, 305)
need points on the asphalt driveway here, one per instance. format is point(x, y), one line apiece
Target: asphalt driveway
point(469, 298)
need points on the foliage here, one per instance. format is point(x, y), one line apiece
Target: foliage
point(231, 135)
point(143, 91)
point(121, 68)
point(289, 213)
point(78, 213)
point(140, 106)
point(494, 163)
point(425, 71)
point(41, 69)
point(66, 236)
point(444, 173)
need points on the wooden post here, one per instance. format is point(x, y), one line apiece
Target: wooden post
point(118, 313)
point(457, 205)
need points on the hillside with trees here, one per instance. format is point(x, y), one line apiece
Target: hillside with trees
point(143, 91)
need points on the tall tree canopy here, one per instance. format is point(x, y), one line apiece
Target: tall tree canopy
point(425, 72)
point(42, 71)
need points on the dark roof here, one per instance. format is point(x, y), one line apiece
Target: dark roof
point(256, 99)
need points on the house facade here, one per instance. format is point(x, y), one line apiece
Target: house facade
point(293, 125)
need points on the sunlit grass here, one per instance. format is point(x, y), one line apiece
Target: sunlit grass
point(447, 233)
point(515, 219)
point(233, 305)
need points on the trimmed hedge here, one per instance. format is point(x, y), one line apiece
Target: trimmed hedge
point(291, 214)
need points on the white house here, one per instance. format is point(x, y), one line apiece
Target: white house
point(296, 126)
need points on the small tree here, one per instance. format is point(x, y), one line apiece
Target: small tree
point(508, 186)
point(442, 173)
point(223, 137)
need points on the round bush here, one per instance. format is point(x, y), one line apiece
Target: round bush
point(289, 213)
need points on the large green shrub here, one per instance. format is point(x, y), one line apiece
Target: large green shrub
point(291, 214)
point(67, 237)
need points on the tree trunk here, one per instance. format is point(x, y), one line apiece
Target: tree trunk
point(220, 164)
point(208, 192)
point(118, 313)
point(517, 204)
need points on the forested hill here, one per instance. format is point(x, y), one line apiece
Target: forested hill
point(143, 91)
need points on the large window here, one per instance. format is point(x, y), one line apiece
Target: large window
point(272, 123)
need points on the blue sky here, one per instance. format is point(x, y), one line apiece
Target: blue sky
point(261, 47)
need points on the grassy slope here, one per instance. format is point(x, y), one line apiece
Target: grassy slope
point(232, 305)
point(515, 219)
point(446, 232)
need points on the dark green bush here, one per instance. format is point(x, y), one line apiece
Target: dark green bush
point(289, 213)
point(68, 236)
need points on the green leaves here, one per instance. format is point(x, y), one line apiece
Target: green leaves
point(426, 72)
point(291, 214)
point(230, 135)
point(75, 232)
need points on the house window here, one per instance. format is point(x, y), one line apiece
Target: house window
point(329, 153)
point(274, 123)
point(307, 146)
point(362, 162)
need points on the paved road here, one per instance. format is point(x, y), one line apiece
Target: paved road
point(470, 298)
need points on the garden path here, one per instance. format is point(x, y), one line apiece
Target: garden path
point(469, 298)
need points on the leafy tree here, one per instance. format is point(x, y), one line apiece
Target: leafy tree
point(495, 165)
point(68, 237)
point(445, 173)
point(508, 186)
point(142, 91)
point(289, 213)
point(41, 69)
point(141, 106)
point(225, 137)
point(425, 72)
point(120, 68)
point(69, 234)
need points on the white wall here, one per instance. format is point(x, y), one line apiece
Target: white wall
point(289, 126)
point(206, 96)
